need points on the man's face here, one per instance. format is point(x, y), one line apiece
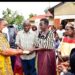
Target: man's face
point(42, 26)
point(26, 28)
point(3, 24)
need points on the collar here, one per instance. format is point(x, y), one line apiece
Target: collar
point(43, 36)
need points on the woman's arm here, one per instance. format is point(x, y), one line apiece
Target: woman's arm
point(11, 52)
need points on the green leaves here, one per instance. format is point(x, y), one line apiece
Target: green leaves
point(31, 15)
point(18, 19)
point(12, 17)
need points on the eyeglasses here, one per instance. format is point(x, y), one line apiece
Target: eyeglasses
point(41, 24)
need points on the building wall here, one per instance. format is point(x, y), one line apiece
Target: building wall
point(62, 17)
point(51, 21)
point(64, 11)
point(68, 8)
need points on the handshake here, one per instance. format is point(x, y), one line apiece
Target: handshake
point(29, 51)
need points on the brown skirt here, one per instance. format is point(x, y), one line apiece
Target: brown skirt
point(46, 62)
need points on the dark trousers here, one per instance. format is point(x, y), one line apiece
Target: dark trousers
point(13, 61)
point(29, 67)
point(12, 45)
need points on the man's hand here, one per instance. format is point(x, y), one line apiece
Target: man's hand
point(28, 52)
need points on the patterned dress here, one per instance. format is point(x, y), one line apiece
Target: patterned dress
point(5, 63)
point(46, 57)
point(66, 45)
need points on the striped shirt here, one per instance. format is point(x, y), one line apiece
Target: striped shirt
point(46, 41)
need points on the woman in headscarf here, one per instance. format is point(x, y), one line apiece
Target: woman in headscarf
point(6, 52)
point(67, 44)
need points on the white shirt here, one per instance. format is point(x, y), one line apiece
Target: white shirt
point(60, 33)
point(26, 40)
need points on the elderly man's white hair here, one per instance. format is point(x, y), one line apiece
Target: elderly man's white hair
point(26, 22)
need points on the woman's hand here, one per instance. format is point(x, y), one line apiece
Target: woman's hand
point(63, 67)
point(20, 51)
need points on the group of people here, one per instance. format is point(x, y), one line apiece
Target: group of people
point(46, 46)
point(29, 45)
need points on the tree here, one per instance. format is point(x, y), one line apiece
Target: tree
point(46, 10)
point(18, 19)
point(12, 17)
point(31, 15)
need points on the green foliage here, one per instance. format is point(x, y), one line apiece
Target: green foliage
point(18, 19)
point(46, 10)
point(12, 17)
point(31, 15)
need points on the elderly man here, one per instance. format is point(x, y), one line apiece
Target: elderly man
point(25, 40)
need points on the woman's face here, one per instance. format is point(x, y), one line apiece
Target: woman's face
point(3, 24)
point(69, 31)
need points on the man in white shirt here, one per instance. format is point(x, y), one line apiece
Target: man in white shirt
point(60, 32)
point(25, 40)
